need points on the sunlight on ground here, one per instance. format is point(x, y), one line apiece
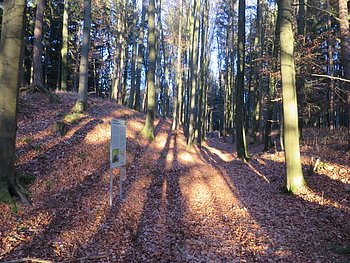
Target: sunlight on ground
point(99, 135)
point(226, 157)
point(160, 142)
point(186, 158)
point(319, 198)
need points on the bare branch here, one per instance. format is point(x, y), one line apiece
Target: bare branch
point(330, 77)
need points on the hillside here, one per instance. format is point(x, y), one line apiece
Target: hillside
point(179, 204)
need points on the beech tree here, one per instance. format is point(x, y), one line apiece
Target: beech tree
point(295, 178)
point(11, 47)
point(345, 48)
point(84, 60)
point(64, 49)
point(38, 45)
point(148, 130)
point(240, 130)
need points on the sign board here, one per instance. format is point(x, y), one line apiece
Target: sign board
point(118, 143)
point(117, 155)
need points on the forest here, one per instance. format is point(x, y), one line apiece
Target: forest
point(237, 119)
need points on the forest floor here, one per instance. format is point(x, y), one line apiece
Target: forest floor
point(178, 205)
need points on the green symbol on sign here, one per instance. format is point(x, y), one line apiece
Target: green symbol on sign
point(115, 156)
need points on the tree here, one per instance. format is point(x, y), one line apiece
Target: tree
point(140, 58)
point(345, 50)
point(84, 60)
point(178, 86)
point(194, 74)
point(240, 131)
point(295, 178)
point(38, 46)
point(64, 49)
point(11, 47)
point(148, 130)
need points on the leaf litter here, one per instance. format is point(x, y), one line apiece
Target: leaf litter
point(179, 204)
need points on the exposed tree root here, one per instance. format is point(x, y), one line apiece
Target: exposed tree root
point(8, 190)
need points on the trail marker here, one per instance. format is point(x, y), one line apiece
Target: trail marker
point(117, 155)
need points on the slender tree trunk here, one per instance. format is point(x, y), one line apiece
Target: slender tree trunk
point(240, 131)
point(178, 86)
point(11, 50)
point(272, 82)
point(295, 178)
point(194, 75)
point(331, 70)
point(84, 60)
point(38, 45)
point(345, 52)
point(133, 58)
point(148, 130)
point(140, 58)
point(202, 71)
point(64, 50)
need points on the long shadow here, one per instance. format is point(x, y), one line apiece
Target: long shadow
point(159, 235)
point(63, 206)
point(289, 220)
point(106, 226)
point(43, 161)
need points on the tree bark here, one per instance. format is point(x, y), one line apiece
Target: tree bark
point(64, 49)
point(194, 75)
point(38, 45)
point(295, 178)
point(240, 131)
point(148, 130)
point(11, 49)
point(84, 60)
point(345, 52)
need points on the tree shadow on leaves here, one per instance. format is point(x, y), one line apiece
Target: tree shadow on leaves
point(299, 229)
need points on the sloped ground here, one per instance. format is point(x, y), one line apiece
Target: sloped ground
point(179, 204)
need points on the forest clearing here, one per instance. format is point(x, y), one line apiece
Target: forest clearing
point(179, 204)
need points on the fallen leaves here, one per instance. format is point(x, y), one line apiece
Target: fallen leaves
point(179, 204)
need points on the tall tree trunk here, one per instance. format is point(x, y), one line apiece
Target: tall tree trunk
point(148, 130)
point(295, 178)
point(272, 82)
point(202, 71)
point(140, 54)
point(84, 60)
point(194, 75)
point(133, 58)
point(11, 48)
point(178, 85)
point(331, 70)
point(345, 52)
point(64, 50)
point(240, 131)
point(38, 45)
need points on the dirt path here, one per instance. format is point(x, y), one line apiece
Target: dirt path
point(179, 204)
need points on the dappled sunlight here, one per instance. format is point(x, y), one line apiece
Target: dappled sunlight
point(100, 134)
point(160, 141)
point(226, 157)
point(185, 158)
point(220, 224)
point(312, 196)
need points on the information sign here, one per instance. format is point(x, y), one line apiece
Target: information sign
point(117, 154)
point(118, 143)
